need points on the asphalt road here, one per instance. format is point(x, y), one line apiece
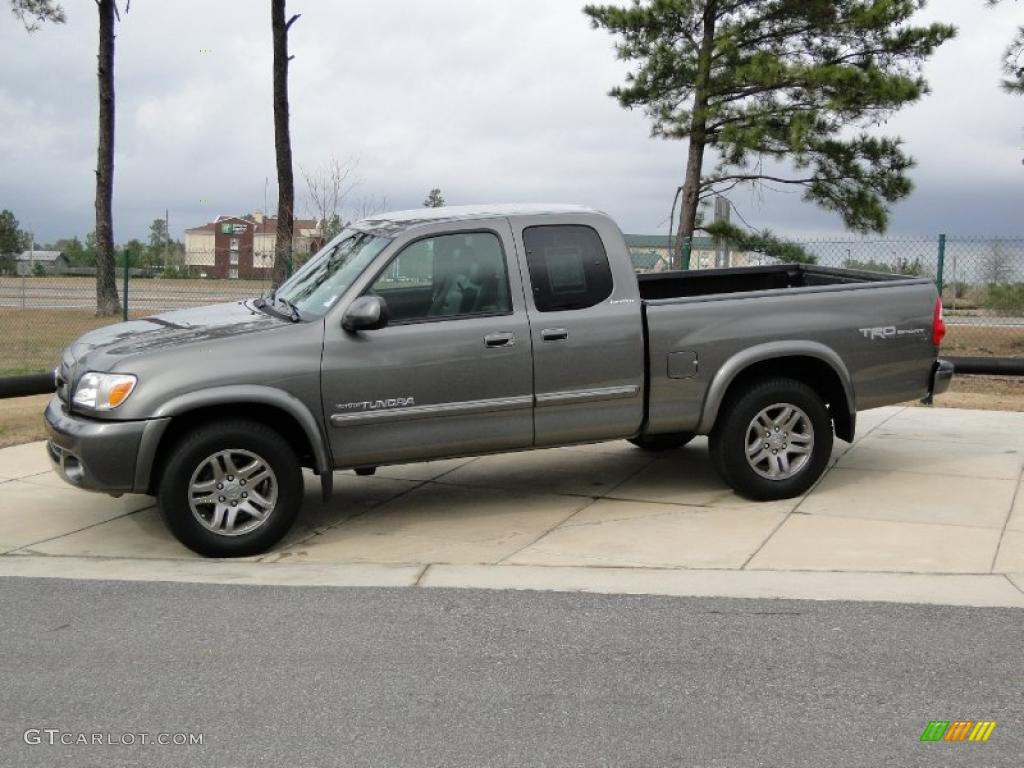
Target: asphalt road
point(301, 677)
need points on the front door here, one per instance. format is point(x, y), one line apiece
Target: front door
point(452, 373)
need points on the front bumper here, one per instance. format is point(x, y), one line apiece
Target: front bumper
point(99, 455)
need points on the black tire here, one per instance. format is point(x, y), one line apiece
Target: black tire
point(666, 442)
point(728, 440)
point(242, 440)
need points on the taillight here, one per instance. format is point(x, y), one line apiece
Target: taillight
point(938, 326)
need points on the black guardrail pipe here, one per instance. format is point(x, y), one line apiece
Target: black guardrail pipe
point(988, 366)
point(19, 386)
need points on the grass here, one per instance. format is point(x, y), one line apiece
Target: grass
point(21, 419)
point(31, 340)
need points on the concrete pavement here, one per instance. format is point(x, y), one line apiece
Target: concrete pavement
point(924, 507)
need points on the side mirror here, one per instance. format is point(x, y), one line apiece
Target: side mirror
point(367, 313)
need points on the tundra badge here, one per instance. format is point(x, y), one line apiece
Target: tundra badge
point(376, 405)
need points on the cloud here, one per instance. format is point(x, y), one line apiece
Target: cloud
point(501, 101)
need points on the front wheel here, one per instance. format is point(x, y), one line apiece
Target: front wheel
point(773, 440)
point(230, 489)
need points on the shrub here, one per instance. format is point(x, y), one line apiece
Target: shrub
point(1005, 297)
point(902, 266)
point(173, 272)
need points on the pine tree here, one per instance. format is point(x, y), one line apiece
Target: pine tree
point(12, 239)
point(1013, 61)
point(434, 199)
point(771, 83)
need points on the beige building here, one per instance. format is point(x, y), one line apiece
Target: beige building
point(653, 253)
point(243, 248)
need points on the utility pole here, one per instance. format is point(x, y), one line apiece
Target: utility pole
point(723, 209)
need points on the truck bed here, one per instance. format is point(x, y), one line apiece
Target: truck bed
point(698, 322)
point(676, 285)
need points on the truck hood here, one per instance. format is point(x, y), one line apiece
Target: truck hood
point(105, 346)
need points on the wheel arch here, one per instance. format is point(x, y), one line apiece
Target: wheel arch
point(279, 410)
point(813, 363)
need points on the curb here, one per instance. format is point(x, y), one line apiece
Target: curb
point(977, 590)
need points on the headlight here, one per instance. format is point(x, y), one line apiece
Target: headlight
point(103, 391)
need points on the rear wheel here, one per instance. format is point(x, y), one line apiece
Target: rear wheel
point(772, 440)
point(230, 489)
point(666, 442)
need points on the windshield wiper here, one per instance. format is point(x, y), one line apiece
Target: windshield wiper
point(261, 301)
point(292, 309)
point(268, 302)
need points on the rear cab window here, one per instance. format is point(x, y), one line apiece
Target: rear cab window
point(568, 267)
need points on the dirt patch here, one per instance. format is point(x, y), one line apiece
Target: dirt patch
point(21, 419)
point(986, 393)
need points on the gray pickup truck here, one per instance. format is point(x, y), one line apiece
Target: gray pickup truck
point(462, 331)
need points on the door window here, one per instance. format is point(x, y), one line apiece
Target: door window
point(568, 267)
point(445, 277)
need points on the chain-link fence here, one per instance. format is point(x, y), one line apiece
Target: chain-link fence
point(982, 278)
point(46, 308)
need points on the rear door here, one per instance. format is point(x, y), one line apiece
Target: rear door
point(452, 373)
point(585, 323)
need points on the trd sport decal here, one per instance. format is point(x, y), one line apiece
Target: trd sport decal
point(890, 332)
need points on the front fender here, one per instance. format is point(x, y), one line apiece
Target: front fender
point(254, 393)
point(771, 350)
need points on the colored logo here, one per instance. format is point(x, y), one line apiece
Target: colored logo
point(958, 730)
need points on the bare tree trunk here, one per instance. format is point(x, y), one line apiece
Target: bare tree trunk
point(282, 143)
point(107, 302)
point(698, 140)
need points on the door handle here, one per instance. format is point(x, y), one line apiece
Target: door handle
point(500, 340)
point(554, 334)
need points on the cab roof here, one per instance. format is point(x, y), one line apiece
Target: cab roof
point(396, 221)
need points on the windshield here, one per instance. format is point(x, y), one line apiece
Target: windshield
point(321, 280)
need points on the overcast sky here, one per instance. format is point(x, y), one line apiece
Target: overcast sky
point(498, 101)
